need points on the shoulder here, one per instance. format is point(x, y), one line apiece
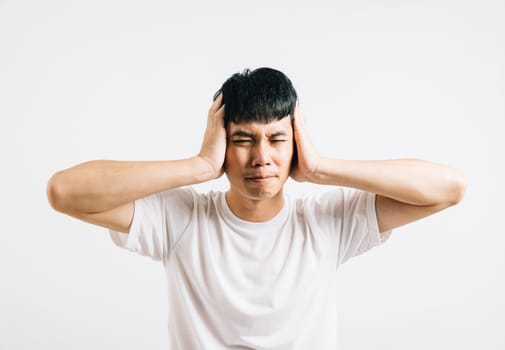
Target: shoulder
point(321, 198)
point(189, 194)
point(179, 194)
point(331, 201)
point(189, 198)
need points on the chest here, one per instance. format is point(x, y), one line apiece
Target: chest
point(267, 268)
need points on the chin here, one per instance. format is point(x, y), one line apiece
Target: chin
point(266, 191)
point(261, 195)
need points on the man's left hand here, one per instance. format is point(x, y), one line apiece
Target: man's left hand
point(307, 156)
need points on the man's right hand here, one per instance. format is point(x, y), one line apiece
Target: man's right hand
point(213, 148)
point(102, 192)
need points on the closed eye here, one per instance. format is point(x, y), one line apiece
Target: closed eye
point(241, 141)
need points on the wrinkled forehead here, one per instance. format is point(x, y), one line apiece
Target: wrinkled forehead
point(281, 126)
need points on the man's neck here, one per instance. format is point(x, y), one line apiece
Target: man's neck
point(254, 210)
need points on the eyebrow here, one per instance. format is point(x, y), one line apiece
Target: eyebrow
point(246, 134)
point(242, 133)
point(279, 133)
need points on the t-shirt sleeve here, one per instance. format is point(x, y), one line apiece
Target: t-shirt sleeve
point(349, 214)
point(158, 222)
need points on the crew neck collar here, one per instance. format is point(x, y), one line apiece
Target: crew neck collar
point(244, 226)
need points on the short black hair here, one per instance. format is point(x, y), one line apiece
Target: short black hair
point(262, 95)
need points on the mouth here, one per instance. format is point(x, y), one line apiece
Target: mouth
point(260, 178)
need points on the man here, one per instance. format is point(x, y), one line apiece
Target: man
point(253, 268)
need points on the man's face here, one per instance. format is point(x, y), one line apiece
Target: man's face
point(258, 158)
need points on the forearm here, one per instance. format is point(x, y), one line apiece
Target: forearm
point(406, 180)
point(100, 185)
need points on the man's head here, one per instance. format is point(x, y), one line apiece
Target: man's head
point(261, 95)
point(260, 145)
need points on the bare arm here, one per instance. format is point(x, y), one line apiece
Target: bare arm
point(102, 191)
point(407, 189)
point(100, 185)
point(410, 181)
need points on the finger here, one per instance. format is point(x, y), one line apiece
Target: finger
point(299, 117)
point(295, 114)
point(217, 102)
point(220, 112)
point(219, 115)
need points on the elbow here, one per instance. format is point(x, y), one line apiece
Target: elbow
point(457, 189)
point(54, 192)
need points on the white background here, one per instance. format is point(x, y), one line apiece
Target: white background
point(133, 80)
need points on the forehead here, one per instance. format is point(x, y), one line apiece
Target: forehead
point(259, 128)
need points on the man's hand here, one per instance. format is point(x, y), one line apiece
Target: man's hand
point(307, 156)
point(406, 189)
point(213, 148)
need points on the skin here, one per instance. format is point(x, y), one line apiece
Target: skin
point(256, 158)
point(257, 164)
point(406, 189)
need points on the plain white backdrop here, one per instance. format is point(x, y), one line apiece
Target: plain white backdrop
point(133, 80)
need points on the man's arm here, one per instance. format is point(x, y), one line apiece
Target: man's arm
point(407, 189)
point(102, 191)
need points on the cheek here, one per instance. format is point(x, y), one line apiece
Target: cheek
point(286, 154)
point(228, 159)
point(233, 158)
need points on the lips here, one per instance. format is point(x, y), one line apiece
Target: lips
point(258, 177)
point(262, 177)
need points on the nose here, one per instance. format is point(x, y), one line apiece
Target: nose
point(260, 155)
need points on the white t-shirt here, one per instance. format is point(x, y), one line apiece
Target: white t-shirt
point(234, 284)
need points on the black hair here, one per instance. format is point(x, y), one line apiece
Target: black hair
point(261, 95)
